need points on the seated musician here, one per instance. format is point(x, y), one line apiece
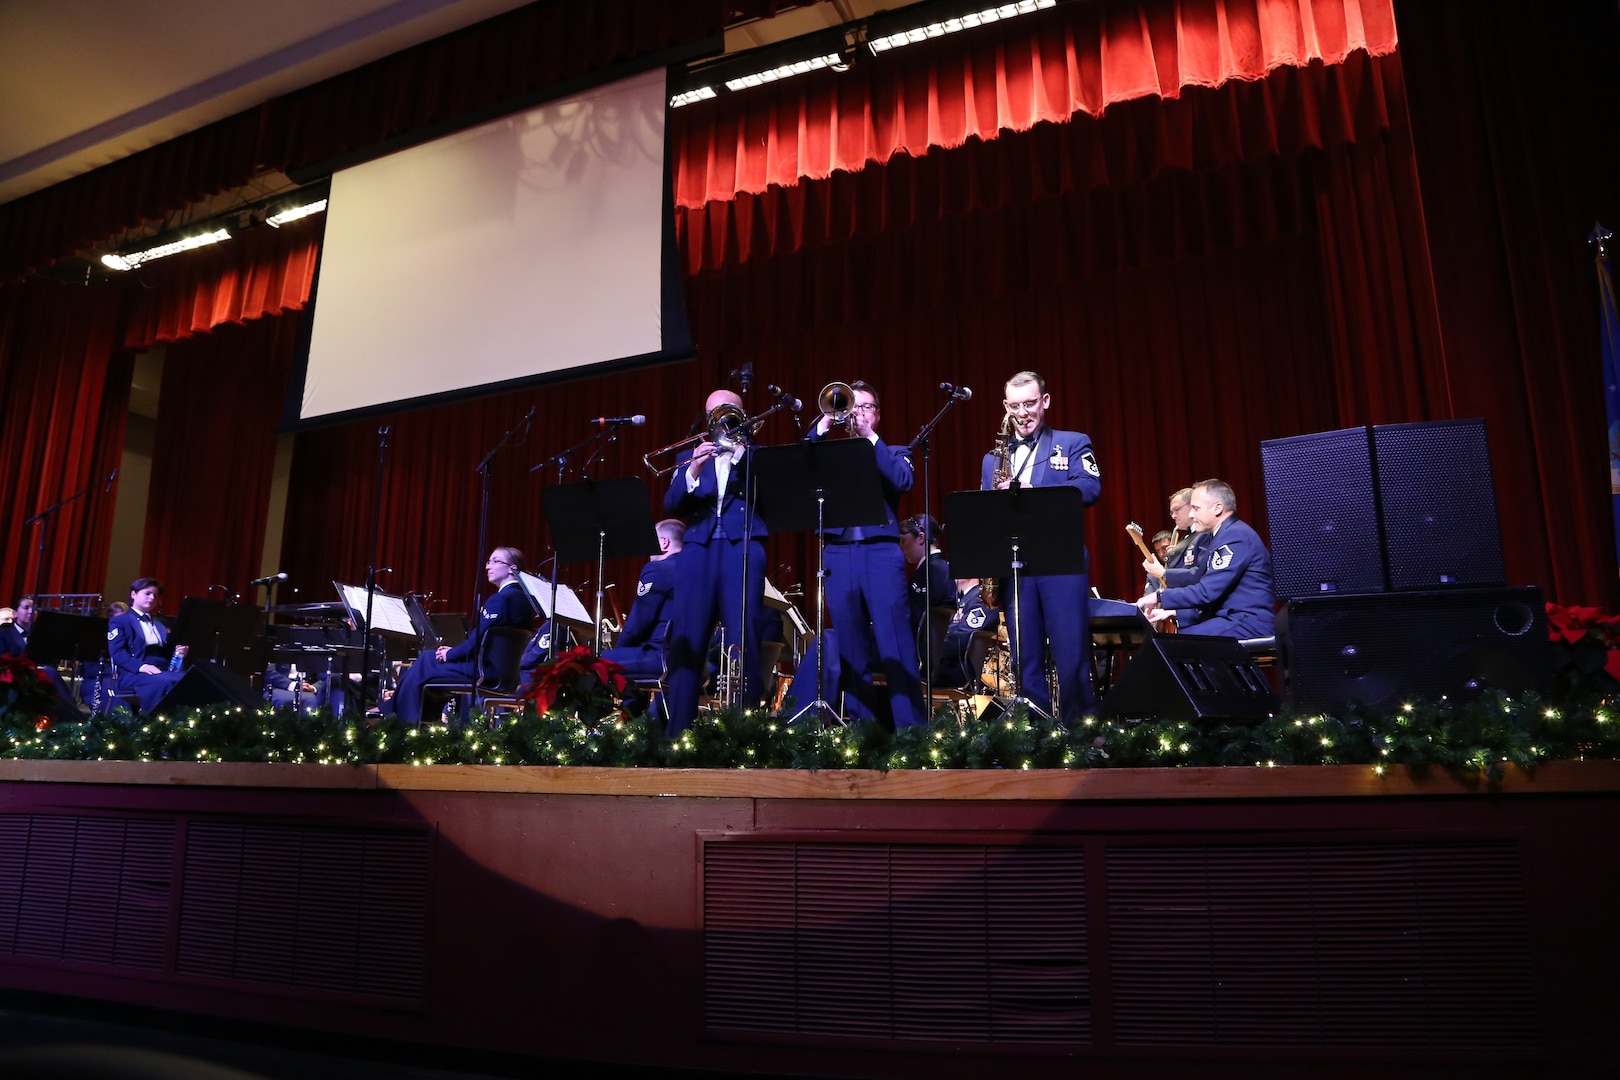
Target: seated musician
point(975, 611)
point(939, 588)
point(286, 686)
point(138, 646)
point(14, 631)
point(1232, 595)
point(509, 606)
point(640, 646)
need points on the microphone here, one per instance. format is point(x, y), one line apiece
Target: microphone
point(960, 393)
point(636, 420)
point(271, 580)
point(784, 397)
point(107, 486)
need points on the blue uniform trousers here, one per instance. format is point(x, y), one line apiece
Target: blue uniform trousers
point(866, 597)
point(1053, 608)
point(427, 668)
point(1224, 627)
point(638, 661)
point(711, 590)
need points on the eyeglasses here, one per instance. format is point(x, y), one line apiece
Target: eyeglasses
point(497, 562)
point(1022, 406)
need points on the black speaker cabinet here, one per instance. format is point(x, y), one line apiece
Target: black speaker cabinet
point(1384, 650)
point(1438, 505)
point(1322, 510)
point(209, 684)
point(1187, 677)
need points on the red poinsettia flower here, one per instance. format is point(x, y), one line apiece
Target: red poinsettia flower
point(561, 679)
point(42, 724)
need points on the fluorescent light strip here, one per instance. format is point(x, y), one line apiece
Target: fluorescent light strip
point(702, 93)
point(294, 213)
point(951, 26)
point(831, 60)
point(138, 258)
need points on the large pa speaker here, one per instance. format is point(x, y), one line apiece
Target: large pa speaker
point(209, 684)
point(1188, 677)
point(1384, 650)
point(1322, 509)
point(1438, 505)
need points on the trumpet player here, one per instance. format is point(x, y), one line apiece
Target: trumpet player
point(1052, 611)
point(866, 574)
point(708, 490)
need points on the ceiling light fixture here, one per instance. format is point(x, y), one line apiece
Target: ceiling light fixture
point(702, 93)
point(131, 260)
point(787, 71)
point(950, 26)
point(294, 213)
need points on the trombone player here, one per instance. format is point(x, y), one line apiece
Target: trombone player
point(708, 489)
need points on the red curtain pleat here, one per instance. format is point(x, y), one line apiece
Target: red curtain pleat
point(67, 394)
point(214, 454)
point(1045, 67)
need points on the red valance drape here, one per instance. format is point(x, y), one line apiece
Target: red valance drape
point(1046, 66)
point(261, 272)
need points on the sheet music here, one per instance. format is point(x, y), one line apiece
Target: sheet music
point(775, 598)
point(387, 612)
point(569, 609)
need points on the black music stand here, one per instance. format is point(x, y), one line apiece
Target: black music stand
point(219, 632)
point(56, 637)
point(598, 519)
point(1007, 534)
point(819, 485)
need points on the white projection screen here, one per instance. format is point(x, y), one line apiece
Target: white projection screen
point(517, 249)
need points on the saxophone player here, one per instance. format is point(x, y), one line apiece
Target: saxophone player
point(1052, 608)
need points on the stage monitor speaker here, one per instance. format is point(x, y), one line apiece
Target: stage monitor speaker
point(1382, 651)
point(1187, 677)
point(1438, 504)
point(209, 684)
point(1322, 509)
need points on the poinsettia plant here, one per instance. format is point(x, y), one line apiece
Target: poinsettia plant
point(579, 678)
point(1586, 648)
point(25, 694)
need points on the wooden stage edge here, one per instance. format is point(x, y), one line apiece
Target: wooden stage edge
point(999, 785)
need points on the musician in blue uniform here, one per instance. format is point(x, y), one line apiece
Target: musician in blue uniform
point(866, 582)
point(139, 647)
point(640, 645)
point(708, 491)
point(1232, 595)
point(1052, 607)
point(975, 611)
point(14, 634)
point(930, 583)
point(509, 606)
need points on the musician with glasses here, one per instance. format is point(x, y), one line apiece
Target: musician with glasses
point(1231, 595)
point(1052, 608)
point(509, 606)
point(708, 490)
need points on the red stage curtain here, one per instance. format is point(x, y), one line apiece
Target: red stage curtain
point(1046, 66)
point(214, 454)
point(262, 272)
point(66, 395)
point(1513, 115)
point(501, 58)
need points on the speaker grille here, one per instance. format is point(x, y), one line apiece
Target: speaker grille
point(1439, 504)
point(905, 941)
point(1322, 514)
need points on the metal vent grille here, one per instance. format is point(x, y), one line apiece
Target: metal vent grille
point(1369, 946)
point(339, 910)
point(87, 890)
point(917, 942)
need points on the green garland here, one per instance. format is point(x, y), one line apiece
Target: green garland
point(1474, 737)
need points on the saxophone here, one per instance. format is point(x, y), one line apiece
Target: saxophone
point(1003, 452)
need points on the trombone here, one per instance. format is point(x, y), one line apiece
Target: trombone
point(725, 425)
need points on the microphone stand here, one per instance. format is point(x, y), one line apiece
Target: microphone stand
point(44, 520)
point(483, 471)
point(920, 443)
point(560, 459)
point(371, 570)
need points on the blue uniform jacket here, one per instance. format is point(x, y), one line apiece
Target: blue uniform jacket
point(895, 471)
point(697, 507)
point(12, 641)
point(1062, 459)
point(942, 588)
point(648, 621)
point(126, 644)
point(1190, 567)
point(508, 607)
point(1235, 584)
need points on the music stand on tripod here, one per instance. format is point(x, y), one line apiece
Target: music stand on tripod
point(1012, 533)
point(598, 519)
point(819, 485)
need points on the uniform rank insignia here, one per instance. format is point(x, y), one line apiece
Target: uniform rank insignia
point(643, 588)
point(1088, 461)
point(545, 641)
point(112, 634)
point(1222, 558)
point(975, 618)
